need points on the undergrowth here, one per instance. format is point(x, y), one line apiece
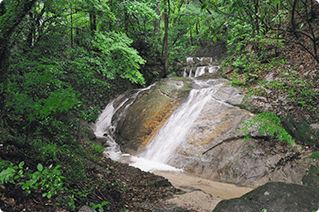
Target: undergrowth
point(263, 66)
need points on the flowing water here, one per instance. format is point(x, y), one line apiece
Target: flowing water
point(161, 148)
point(172, 134)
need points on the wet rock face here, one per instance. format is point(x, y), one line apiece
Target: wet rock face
point(149, 112)
point(273, 197)
point(215, 147)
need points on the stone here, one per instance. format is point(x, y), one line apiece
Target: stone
point(311, 179)
point(148, 112)
point(86, 130)
point(214, 147)
point(162, 183)
point(314, 126)
point(101, 141)
point(86, 209)
point(273, 197)
point(91, 134)
point(269, 77)
point(157, 183)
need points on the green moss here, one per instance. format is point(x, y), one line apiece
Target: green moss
point(311, 179)
point(315, 155)
point(300, 129)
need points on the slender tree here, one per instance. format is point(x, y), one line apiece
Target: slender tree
point(165, 39)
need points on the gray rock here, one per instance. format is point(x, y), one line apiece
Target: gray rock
point(162, 183)
point(86, 129)
point(314, 126)
point(273, 197)
point(214, 146)
point(86, 209)
point(162, 208)
point(269, 77)
point(91, 134)
point(102, 141)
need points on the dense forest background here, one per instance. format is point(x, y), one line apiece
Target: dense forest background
point(61, 61)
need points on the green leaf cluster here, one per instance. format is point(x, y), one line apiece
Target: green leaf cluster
point(269, 124)
point(47, 179)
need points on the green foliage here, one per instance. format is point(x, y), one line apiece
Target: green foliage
point(100, 206)
point(10, 174)
point(142, 8)
point(75, 171)
point(52, 81)
point(269, 124)
point(97, 147)
point(315, 155)
point(7, 175)
point(311, 179)
point(300, 91)
point(47, 179)
point(118, 56)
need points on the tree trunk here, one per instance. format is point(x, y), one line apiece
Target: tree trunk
point(293, 24)
point(71, 34)
point(93, 23)
point(256, 5)
point(165, 39)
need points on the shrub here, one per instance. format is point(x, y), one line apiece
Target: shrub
point(269, 124)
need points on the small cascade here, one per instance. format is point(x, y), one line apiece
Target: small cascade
point(199, 70)
point(103, 127)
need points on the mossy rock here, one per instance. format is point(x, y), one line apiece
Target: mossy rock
point(301, 130)
point(311, 179)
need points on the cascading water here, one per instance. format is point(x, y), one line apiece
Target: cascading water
point(172, 134)
point(103, 127)
point(174, 131)
point(161, 148)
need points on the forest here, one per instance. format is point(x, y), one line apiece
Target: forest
point(62, 61)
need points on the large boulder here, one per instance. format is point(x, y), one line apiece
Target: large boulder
point(215, 147)
point(273, 197)
point(149, 112)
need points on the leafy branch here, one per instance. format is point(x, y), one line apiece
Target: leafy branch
point(269, 124)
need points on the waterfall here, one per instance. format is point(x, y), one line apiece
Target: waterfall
point(172, 134)
point(103, 127)
point(199, 70)
point(174, 131)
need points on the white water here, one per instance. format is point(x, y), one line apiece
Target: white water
point(174, 131)
point(103, 126)
point(103, 129)
point(199, 71)
point(162, 147)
